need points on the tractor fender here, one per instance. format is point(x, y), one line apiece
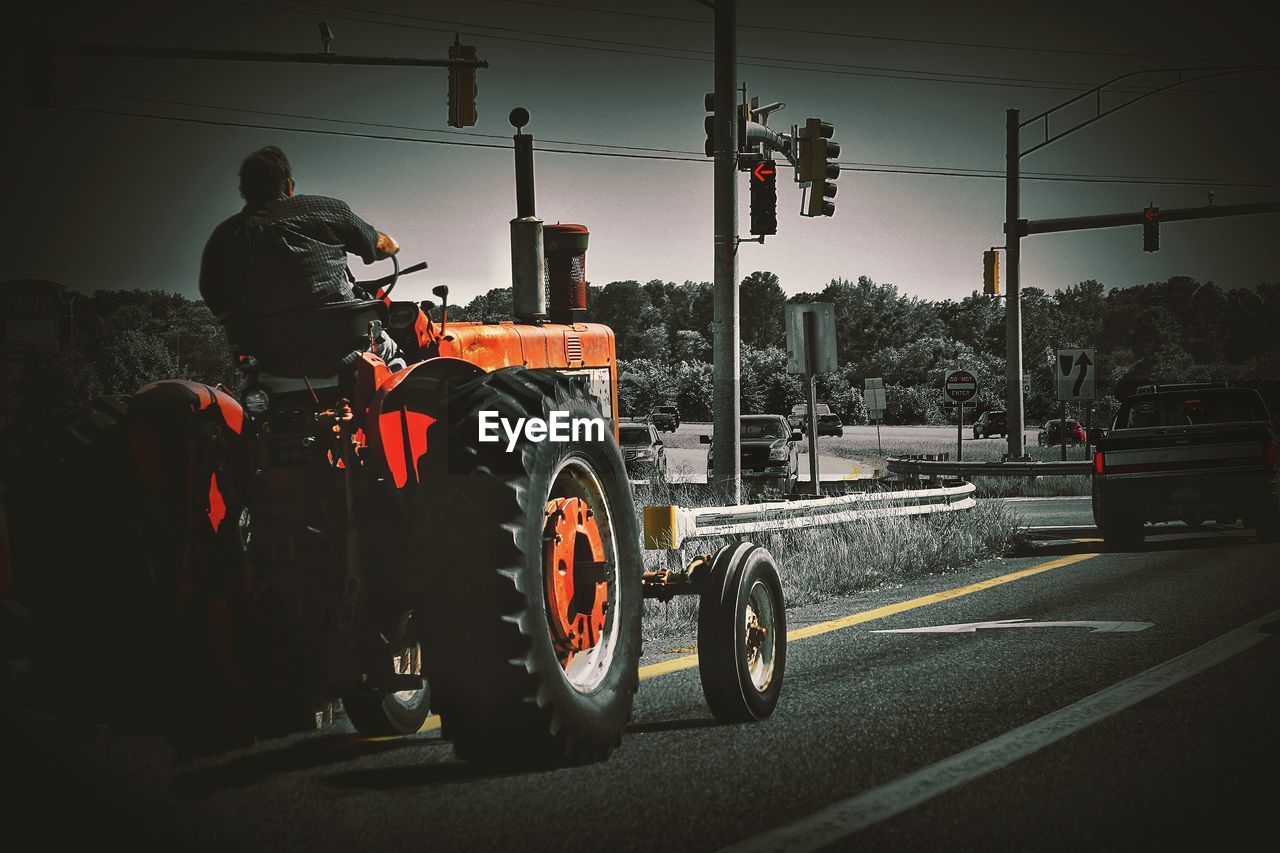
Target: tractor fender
point(188, 445)
point(402, 414)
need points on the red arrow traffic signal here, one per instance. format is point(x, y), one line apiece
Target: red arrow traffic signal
point(1151, 214)
point(763, 170)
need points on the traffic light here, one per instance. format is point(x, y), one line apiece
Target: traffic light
point(817, 151)
point(462, 87)
point(991, 272)
point(764, 198)
point(709, 124)
point(1150, 229)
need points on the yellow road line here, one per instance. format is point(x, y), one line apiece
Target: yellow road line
point(853, 475)
point(666, 667)
point(654, 670)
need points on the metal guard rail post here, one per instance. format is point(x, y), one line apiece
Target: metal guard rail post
point(667, 528)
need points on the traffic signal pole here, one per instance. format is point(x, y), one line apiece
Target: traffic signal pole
point(726, 405)
point(1015, 229)
point(1013, 304)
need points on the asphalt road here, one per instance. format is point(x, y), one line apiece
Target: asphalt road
point(1155, 733)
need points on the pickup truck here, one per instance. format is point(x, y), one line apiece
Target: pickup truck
point(769, 451)
point(1190, 453)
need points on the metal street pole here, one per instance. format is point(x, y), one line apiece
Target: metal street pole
point(726, 405)
point(811, 388)
point(1012, 302)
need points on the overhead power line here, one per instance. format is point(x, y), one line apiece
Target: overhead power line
point(775, 28)
point(661, 154)
point(668, 52)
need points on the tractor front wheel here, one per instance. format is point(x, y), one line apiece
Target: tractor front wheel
point(742, 634)
point(398, 712)
point(531, 612)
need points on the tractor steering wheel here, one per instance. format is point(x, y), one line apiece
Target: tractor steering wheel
point(370, 287)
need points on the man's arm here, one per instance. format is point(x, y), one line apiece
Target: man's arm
point(386, 246)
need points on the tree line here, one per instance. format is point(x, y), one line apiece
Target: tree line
point(1174, 330)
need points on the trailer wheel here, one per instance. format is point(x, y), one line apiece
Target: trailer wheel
point(400, 712)
point(530, 615)
point(742, 635)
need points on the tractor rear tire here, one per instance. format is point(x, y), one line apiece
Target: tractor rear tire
point(532, 652)
point(742, 635)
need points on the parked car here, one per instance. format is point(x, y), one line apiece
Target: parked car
point(1054, 431)
point(830, 424)
point(665, 418)
point(991, 423)
point(770, 452)
point(799, 417)
point(643, 452)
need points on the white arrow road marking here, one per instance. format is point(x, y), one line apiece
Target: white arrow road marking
point(841, 820)
point(970, 627)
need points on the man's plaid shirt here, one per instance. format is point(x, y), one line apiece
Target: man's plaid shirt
point(287, 254)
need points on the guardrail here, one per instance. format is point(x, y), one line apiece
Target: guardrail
point(666, 528)
point(920, 467)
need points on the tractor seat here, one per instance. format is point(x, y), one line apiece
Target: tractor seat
point(311, 342)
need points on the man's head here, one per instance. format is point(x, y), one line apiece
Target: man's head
point(265, 175)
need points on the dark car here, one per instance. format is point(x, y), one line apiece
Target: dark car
point(1053, 432)
point(799, 417)
point(991, 423)
point(665, 418)
point(830, 425)
point(770, 452)
point(643, 451)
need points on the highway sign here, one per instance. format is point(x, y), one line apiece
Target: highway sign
point(960, 385)
point(874, 396)
point(824, 332)
point(1077, 371)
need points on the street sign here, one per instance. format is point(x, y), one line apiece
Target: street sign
point(1077, 371)
point(874, 396)
point(824, 345)
point(960, 385)
point(1026, 383)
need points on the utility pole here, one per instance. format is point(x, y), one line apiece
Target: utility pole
point(1012, 302)
point(726, 402)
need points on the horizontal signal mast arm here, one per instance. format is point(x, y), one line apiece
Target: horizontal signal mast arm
point(1113, 220)
point(254, 56)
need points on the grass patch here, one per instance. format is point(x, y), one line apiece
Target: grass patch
point(824, 562)
point(1057, 485)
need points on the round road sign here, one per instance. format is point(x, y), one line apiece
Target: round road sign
point(960, 385)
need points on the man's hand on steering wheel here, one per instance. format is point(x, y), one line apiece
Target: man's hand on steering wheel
point(385, 247)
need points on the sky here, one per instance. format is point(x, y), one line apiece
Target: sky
point(102, 194)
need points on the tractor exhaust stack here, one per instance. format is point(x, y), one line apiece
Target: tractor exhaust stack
point(528, 276)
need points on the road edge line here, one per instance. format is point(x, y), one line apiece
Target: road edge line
point(655, 670)
point(842, 819)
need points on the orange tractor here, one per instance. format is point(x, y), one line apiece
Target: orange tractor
point(339, 530)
